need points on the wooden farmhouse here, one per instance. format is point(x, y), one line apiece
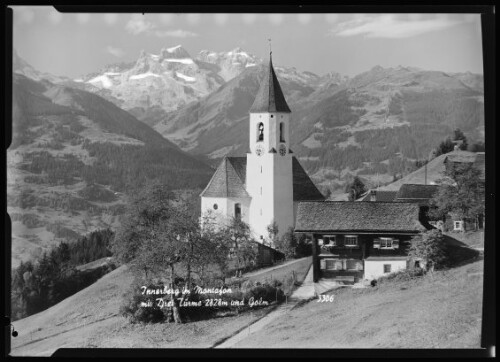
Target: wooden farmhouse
point(353, 241)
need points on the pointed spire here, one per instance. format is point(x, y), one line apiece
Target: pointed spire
point(270, 97)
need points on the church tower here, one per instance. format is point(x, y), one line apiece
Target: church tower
point(269, 177)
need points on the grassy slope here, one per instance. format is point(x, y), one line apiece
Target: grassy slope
point(435, 169)
point(439, 312)
point(90, 319)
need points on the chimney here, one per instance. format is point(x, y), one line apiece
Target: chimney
point(373, 195)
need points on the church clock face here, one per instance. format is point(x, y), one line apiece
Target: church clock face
point(282, 150)
point(259, 150)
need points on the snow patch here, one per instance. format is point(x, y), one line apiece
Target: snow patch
point(144, 75)
point(112, 73)
point(103, 79)
point(79, 80)
point(185, 77)
point(154, 56)
point(181, 60)
point(171, 50)
point(250, 65)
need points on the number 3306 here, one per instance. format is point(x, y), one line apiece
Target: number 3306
point(326, 298)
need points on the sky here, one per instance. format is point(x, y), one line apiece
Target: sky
point(77, 44)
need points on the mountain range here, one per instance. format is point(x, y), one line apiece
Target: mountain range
point(77, 141)
point(74, 160)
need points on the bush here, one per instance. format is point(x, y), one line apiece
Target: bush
point(267, 292)
point(133, 309)
point(401, 275)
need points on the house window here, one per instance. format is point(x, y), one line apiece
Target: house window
point(352, 264)
point(457, 225)
point(330, 264)
point(351, 241)
point(282, 132)
point(386, 243)
point(329, 240)
point(387, 268)
point(237, 211)
point(216, 206)
point(260, 132)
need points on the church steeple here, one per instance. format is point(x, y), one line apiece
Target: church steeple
point(270, 97)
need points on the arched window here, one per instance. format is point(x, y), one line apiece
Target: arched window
point(237, 211)
point(260, 132)
point(282, 132)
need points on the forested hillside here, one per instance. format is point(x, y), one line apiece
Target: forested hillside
point(73, 160)
point(376, 125)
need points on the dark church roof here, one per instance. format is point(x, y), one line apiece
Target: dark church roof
point(303, 187)
point(349, 216)
point(229, 180)
point(270, 97)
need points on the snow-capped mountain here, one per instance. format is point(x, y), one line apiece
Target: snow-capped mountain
point(156, 84)
point(167, 80)
point(231, 63)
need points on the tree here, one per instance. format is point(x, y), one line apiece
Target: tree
point(355, 189)
point(244, 247)
point(287, 244)
point(444, 147)
point(153, 236)
point(448, 144)
point(461, 191)
point(273, 231)
point(430, 247)
point(458, 135)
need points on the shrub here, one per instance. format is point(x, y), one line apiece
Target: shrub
point(401, 275)
point(133, 309)
point(267, 292)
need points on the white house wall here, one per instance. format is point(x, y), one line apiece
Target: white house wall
point(375, 268)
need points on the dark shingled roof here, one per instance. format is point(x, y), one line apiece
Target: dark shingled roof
point(229, 180)
point(348, 216)
point(380, 196)
point(270, 97)
point(415, 193)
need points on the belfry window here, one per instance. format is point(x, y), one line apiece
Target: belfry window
point(282, 132)
point(260, 132)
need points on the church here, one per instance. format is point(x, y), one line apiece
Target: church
point(266, 185)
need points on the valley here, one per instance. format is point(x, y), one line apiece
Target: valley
point(185, 113)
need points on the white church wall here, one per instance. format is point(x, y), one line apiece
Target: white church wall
point(225, 209)
point(283, 193)
point(245, 208)
point(216, 207)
